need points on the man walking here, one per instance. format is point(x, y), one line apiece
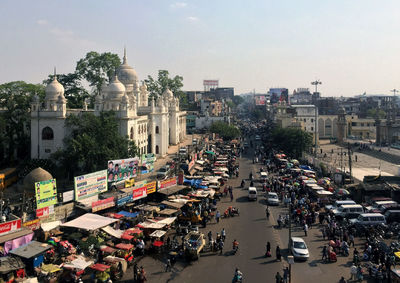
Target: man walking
point(305, 228)
point(217, 216)
point(324, 253)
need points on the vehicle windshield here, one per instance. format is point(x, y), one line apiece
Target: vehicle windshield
point(299, 245)
point(272, 196)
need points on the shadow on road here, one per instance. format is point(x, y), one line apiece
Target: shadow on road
point(258, 257)
point(262, 201)
point(242, 199)
point(259, 219)
point(268, 262)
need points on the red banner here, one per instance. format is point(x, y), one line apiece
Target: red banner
point(168, 183)
point(102, 204)
point(44, 211)
point(10, 226)
point(139, 193)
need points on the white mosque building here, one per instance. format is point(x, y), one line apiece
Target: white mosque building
point(153, 127)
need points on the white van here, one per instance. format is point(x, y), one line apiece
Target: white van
point(339, 203)
point(348, 211)
point(369, 219)
point(252, 193)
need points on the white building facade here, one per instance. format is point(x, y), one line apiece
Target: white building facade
point(152, 127)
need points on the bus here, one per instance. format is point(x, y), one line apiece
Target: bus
point(8, 177)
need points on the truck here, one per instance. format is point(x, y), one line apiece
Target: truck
point(194, 244)
point(8, 177)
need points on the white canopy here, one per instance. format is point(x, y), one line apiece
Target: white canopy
point(151, 225)
point(113, 232)
point(167, 221)
point(90, 221)
point(79, 263)
point(158, 233)
point(50, 225)
point(324, 193)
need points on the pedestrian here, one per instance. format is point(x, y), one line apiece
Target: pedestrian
point(217, 216)
point(223, 234)
point(342, 280)
point(168, 265)
point(142, 276)
point(135, 272)
point(286, 275)
point(221, 246)
point(305, 228)
point(323, 233)
point(351, 240)
point(324, 253)
point(353, 272)
point(209, 236)
point(278, 277)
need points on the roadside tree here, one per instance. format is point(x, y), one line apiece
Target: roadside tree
point(224, 130)
point(292, 141)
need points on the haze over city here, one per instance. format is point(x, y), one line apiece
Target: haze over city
point(351, 46)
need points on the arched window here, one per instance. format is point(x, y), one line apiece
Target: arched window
point(47, 134)
point(157, 131)
point(131, 133)
point(157, 150)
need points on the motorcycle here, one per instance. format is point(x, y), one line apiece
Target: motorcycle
point(237, 278)
point(235, 247)
point(242, 184)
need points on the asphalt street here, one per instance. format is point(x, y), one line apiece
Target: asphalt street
point(252, 230)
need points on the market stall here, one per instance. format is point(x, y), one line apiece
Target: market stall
point(32, 254)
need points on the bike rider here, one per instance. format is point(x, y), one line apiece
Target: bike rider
point(235, 245)
point(237, 277)
point(267, 212)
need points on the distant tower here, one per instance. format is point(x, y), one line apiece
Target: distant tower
point(389, 125)
point(341, 125)
point(378, 130)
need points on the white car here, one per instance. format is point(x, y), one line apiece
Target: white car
point(299, 248)
point(252, 193)
point(272, 198)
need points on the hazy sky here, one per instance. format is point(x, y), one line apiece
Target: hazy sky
point(352, 46)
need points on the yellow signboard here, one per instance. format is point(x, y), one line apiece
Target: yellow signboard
point(46, 193)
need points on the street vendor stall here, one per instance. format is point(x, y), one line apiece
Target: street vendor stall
point(32, 254)
point(168, 212)
point(11, 268)
point(89, 221)
point(172, 204)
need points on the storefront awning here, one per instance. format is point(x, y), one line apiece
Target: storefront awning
point(23, 232)
point(171, 190)
point(167, 211)
point(173, 204)
point(90, 221)
point(128, 214)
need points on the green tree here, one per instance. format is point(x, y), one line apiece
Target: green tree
point(93, 140)
point(15, 99)
point(292, 141)
point(224, 130)
point(97, 68)
point(376, 113)
point(237, 100)
point(157, 87)
point(75, 93)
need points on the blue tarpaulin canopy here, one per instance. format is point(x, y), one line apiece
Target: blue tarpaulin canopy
point(305, 167)
point(195, 183)
point(128, 214)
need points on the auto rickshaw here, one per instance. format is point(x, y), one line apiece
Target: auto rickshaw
point(101, 272)
point(125, 251)
point(49, 273)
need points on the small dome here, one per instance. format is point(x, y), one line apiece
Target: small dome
point(61, 99)
point(126, 74)
point(115, 89)
point(36, 175)
point(143, 87)
point(125, 98)
point(54, 89)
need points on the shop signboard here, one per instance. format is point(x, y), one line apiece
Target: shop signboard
point(140, 184)
point(44, 211)
point(46, 193)
point(123, 198)
point(122, 169)
point(90, 184)
point(151, 187)
point(139, 193)
point(10, 226)
point(147, 165)
point(103, 204)
point(68, 196)
point(33, 224)
point(170, 182)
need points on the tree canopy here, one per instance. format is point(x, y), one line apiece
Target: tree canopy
point(157, 87)
point(376, 113)
point(97, 68)
point(93, 141)
point(15, 99)
point(292, 141)
point(224, 130)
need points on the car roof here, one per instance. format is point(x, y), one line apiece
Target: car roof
point(252, 188)
point(371, 214)
point(350, 205)
point(272, 193)
point(297, 239)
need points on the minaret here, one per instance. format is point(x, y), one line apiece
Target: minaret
point(341, 125)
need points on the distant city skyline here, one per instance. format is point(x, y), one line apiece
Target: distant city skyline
point(351, 46)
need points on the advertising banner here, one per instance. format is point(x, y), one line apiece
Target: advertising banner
point(147, 165)
point(151, 187)
point(90, 184)
point(46, 193)
point(260, 100)
point(123, 199)
point(139, 193)
point(10, 226)
point(68, 196)
point(33, 224)
point(140, 184)
point(122, 169)
point(168, 183)
point(45, 211)
point(103, 204)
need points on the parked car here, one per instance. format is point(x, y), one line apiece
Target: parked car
point(299, 248)
point(272, 198)
point(392, 216)
point(252, 193)
point(348, 211)
point(163, 172)
point(369, 219)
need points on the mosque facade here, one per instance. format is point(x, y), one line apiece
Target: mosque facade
point(153, 125)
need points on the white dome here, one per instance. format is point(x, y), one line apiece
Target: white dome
point(115, 89)
point(126, 74)
point(54, 89)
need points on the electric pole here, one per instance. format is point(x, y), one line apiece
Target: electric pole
point(316, 83)
point(349, 153)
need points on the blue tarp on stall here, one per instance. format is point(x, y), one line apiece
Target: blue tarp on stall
point(128, 214)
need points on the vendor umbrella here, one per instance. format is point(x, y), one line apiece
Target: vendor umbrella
point(296, 184)
point(210, 152)
point(343, 192)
